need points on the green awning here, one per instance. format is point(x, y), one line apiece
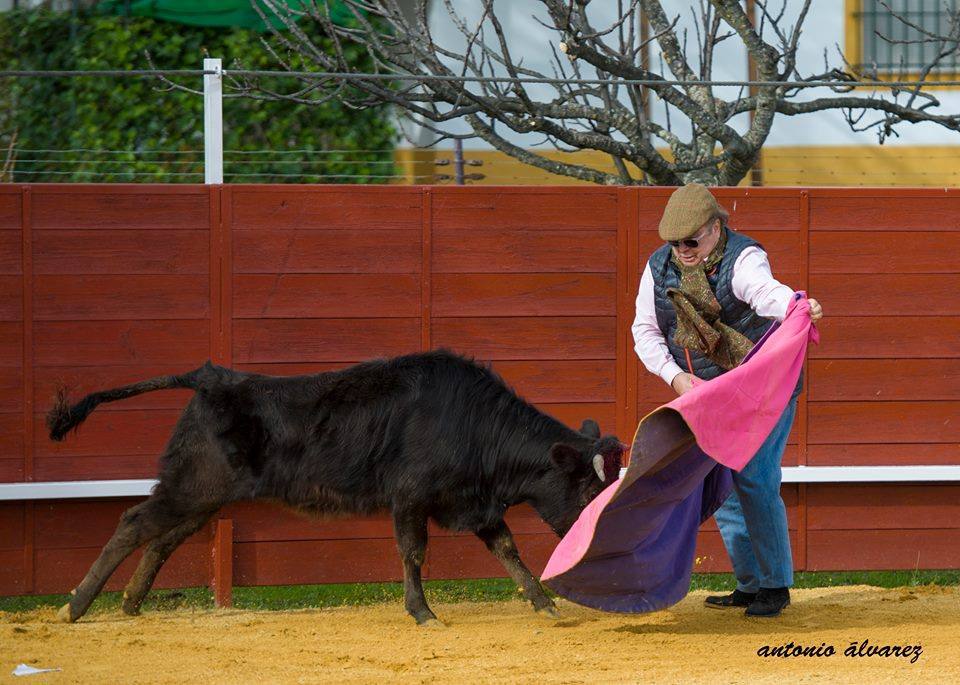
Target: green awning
point(239, 13)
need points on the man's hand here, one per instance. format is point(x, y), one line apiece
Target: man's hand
point(683, 382)
point(816, 311)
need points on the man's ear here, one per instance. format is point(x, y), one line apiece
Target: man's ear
point(591, 429)
point(566, 457)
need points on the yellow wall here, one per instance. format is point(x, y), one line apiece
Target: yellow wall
point(782, 166)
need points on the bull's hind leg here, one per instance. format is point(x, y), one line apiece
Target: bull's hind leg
point(157, 552)
point(411, 532)
point(138, 525)
point(499, 541)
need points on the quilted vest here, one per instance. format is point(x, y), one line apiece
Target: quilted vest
point(734, 312)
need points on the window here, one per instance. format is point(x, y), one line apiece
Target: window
point(867, 50)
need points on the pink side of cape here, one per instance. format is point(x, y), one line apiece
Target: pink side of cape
point(733, 414)
point(730, 417)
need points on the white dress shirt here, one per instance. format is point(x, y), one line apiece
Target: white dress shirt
point(753, 283)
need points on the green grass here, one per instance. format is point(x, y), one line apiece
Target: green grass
point(440, 591)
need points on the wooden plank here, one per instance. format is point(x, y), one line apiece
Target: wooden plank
point(343, 208)
point(59, 570)
point(711, 556)
point(11, 350)
point(10, 209)
point(71, 298)
point(572, 414)
point(524, 294)
point(869, 380)
point(121, 252)
point(782, 247)
point(11, 298)
point(77, 524)
point(11, 389)
point(82, 380)
point(222, 580)
point(108, 431)
point(426, 274)
point(750, 210)
point(884, 211)
point(535, 209)
point(304, 340)
point(499, 250)
point(890, 252)
point(13, 575)
point(292, 368)
point(107, 209)
point(102, 467)
point(10, 262)
point(884, 337)
point(266, 522)
point(902, 454)
point(11, 435)
point(330, 561)
point(887, 294)
point(11, 469)
point(529, 337)
point(848, 550)
point(790, 492)
point(97, 343)
point(352, 250)
point(884, 506)
point(464, 556)
point(884, 422)
point(588, 380)
point(28, 358)
point(325, 295)
point(11, 525)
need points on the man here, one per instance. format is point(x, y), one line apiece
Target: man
point(705, 298)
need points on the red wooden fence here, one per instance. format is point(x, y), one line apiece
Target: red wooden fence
point(103, 285)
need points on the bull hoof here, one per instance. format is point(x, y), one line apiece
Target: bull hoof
point(65, 615)
point(129, 609)
point(433, 624)
point(549, 612)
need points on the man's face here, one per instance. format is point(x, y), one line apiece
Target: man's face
point(705, 240)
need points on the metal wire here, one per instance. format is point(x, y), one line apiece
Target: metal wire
point(428, 78)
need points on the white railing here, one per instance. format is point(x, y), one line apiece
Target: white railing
point(82, 489)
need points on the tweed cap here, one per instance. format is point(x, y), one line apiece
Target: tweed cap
point(689, 208)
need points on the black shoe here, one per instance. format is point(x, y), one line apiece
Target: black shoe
point(734, 599)
point(770, 602)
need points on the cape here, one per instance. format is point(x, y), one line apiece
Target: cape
point(632, 549)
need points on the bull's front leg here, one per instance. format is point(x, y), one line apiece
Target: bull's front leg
point(411, 532)
point(499, 541)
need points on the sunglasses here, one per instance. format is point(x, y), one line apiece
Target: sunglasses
point(692, 243)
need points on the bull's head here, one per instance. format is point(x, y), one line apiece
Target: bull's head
point(581, 470)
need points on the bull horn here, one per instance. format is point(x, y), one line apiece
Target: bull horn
point(598, 467)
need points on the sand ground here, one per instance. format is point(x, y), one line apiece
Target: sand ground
point(502, 642)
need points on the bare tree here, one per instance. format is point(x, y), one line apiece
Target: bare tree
point(611, 117)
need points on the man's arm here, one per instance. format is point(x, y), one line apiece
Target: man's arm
point(651, 346)
point(753, 283)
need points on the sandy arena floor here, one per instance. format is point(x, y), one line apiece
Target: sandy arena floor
point(498, 643)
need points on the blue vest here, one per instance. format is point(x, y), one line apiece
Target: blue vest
point(734, 312)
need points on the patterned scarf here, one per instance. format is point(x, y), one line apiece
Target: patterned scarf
point(698, 313)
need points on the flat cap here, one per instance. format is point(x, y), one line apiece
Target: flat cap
point(689, 208)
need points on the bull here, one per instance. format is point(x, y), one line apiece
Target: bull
point(424, 436)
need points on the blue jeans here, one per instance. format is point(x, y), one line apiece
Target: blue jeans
point(753, 519)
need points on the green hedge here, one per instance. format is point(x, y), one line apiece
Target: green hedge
point(141, 119)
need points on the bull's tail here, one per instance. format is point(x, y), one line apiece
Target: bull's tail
point(63, 417)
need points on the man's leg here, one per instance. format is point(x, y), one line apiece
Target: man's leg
point(765, 516)
point(736, 539)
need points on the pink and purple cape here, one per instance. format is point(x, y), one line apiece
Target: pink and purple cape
point(632, 549)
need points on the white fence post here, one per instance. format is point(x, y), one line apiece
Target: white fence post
point(212, 122)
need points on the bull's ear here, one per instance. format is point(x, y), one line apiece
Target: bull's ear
point(591, 429)
point(566, 457)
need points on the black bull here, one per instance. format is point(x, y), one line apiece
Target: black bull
point(429, 435)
